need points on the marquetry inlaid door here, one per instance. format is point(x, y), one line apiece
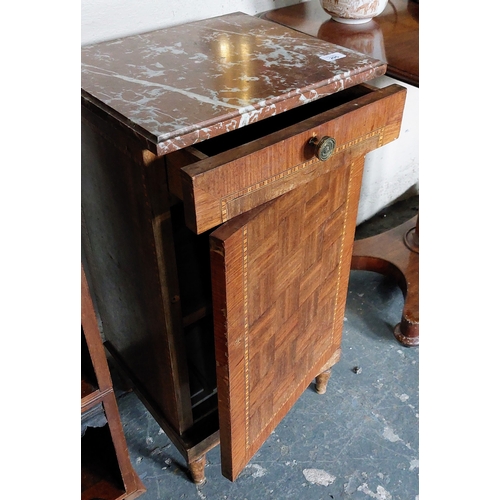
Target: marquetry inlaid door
point(278, 313)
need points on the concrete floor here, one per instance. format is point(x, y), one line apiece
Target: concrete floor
point(358, 441)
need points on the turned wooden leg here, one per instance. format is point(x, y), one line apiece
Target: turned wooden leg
point(322, 381)
point(406, 332)
point(197, 469)
point(395, 253)
point(324, 375)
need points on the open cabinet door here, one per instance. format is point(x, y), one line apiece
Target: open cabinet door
point(278, 313)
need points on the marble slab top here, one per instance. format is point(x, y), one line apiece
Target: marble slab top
point(181, 85)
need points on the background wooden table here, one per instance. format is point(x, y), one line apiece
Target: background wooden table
point(392, 37)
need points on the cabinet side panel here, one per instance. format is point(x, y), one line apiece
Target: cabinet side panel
point(119, 245)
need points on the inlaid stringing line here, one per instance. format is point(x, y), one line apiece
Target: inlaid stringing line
point(381, 137)
point(233, 196)
point(245, 312)
point(339, 266)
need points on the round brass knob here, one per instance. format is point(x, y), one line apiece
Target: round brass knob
point(323, 148)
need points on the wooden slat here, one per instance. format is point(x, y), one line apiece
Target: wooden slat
point(125, 477)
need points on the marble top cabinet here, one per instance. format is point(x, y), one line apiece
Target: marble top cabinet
point(221, 169)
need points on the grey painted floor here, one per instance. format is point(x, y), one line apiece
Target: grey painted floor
point(358, 441)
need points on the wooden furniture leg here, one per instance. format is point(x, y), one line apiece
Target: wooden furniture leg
point(197, 469)
point(322, 381)
point(324, 375)
point(395, 254)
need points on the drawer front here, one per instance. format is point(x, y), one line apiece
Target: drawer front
point(217, 188)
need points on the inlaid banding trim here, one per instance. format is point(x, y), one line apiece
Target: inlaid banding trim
point(226, 200)
point(246, 340)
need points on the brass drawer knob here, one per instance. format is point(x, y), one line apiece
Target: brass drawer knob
point(323, 148)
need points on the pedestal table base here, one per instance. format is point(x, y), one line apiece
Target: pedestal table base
point(394, 253)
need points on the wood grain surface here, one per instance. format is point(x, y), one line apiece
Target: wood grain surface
point(216, 189)
point(279, 274)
